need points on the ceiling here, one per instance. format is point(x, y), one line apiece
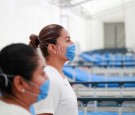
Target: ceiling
point(96, 6)
point(93, 7)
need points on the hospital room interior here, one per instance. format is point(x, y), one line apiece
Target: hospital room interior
point(102, 73)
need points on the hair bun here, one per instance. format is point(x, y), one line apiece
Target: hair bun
point(34, 42)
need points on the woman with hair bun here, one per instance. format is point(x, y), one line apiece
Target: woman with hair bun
point(22, 79)
point(57, 48)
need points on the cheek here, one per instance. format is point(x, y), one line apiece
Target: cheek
point(39, 80)
point(64, 50)
point(33, 89)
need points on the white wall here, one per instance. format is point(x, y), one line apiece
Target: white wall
point(77, 28)
point(130, 27)
point(121, 13)
point(95, 41)
point(20, 18)
point(96, 27)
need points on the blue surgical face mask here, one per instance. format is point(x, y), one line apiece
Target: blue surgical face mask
point(70, 52)
point(44, 88)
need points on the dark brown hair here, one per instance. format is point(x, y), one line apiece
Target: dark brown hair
point(16, 59)
point(48, 35)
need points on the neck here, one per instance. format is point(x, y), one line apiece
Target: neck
point(11, 99)
point(57, 64)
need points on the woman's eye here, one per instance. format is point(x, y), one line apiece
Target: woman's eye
point(68, 40)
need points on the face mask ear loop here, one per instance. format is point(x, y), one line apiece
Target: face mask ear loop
point(48, 48)
point(39, 39)
point(43, 43)
point(59, 51)
point(6, 80)
point(5, 77)
point(31, 83)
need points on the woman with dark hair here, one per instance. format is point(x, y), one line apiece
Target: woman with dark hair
point(57, 48)
point(22, 79)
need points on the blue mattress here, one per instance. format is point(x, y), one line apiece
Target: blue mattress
point(89, 58)
point(104, 113)
point(96, 113)
point(109, 60)
point(83, 76)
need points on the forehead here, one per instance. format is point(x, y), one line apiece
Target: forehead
point(64, 36)
point(64, 32)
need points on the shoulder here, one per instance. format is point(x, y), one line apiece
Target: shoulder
point(12, 109)
point(52, 73)
point(51, 69)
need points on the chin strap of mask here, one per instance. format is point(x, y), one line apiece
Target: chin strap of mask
point(5, 77)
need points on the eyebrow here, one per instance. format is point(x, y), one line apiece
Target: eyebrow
point(67, 37)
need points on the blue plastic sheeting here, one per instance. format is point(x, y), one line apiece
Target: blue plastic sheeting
point(129, 58)
point(109, 60)
point(102, 64)
point(115, 64)
point(110, 50)
point(88, 58)
point(83, 76)
point(104, 113)
point(128, 64)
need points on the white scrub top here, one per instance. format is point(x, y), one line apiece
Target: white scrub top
point(12, 109)
point(61, 99)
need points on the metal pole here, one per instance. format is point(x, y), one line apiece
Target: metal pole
point(95, 102)
point(85, 110)
point(119, 110)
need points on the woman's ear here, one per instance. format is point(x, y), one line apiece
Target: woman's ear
point(19, 84)
point(52, 48)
